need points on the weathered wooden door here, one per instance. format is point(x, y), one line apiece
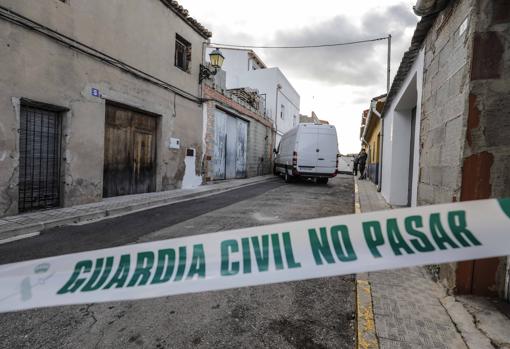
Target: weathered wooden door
point(230, 144)
point(130, 152)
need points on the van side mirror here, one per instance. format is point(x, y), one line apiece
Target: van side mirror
point(274, 150)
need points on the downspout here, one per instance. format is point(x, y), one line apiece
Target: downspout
point(379, 179)
point(204, 116)
point(278, 88)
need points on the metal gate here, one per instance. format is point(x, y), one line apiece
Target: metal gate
point(129, 152)
point(230, 142)
point(40, 149)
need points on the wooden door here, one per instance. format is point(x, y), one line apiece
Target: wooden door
point(130, 152)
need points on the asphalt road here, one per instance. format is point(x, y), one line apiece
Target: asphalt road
point(124, 229)
point(316, 313)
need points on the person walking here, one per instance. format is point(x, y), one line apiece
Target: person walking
point(355, 166)
point(362, 160)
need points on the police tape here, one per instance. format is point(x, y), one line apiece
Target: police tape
point(284, 252)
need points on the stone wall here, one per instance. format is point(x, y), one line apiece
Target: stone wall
point(486, 156)
point(445, 104)
point(259, 150)
point(465, 122)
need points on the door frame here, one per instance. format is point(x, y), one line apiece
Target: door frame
point(18, 103)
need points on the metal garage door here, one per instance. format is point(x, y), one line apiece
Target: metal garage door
point(40, 148)
point(230, 142)
point(130, 152)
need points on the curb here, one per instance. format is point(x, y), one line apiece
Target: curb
point(366, 337)
point(102, 213)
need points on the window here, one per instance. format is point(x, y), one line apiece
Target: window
point(182, 53)
point(282, 111)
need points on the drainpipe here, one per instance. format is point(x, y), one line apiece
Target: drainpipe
point(381, 145)
point(429, 7)
point(278, 88)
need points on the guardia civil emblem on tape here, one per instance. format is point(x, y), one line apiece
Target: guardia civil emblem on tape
point(262, 255)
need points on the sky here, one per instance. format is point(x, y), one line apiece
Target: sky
point(336, 83)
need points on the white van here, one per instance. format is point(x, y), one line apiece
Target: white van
point(307, 151)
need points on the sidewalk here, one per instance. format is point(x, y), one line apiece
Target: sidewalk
point(413, 311)
point(30, 224)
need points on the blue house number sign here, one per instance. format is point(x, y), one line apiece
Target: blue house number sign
point(95, 92)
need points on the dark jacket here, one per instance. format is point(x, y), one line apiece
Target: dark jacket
point(362, 159)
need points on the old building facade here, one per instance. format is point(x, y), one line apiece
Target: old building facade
point(97, 99)
point(447, 119)
point(370, 134)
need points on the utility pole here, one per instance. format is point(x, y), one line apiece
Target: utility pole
point(381, 137)
point(389, 65)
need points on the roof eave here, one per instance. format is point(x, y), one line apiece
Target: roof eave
point(183, 14)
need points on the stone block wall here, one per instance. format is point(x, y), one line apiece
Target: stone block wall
point(486, 155)
point(445, 104)
point(465, 123)
point(258, 157)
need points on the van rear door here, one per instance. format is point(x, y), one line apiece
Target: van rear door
point(307, 148)
point(327, 143)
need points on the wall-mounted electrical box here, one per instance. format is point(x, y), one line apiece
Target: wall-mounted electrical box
point(174, 143)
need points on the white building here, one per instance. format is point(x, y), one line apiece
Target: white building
point(401, 134)
point(245, 69)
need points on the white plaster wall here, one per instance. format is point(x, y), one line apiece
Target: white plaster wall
point(235, 63)
point(416, 165)
point(239, 73)
point(266, 81)
point(397, 131)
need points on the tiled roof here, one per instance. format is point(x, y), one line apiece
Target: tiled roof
point(420, 33)
point(184, 15)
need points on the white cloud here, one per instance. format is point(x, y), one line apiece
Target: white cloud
point(333, 82)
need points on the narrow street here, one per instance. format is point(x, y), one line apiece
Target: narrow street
point(315, 313)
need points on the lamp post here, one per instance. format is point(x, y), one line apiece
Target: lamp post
point(216, 59)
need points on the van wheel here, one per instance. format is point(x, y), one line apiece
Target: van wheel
point(322, 180)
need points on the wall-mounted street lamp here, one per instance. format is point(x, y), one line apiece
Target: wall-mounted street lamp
point(216, 58)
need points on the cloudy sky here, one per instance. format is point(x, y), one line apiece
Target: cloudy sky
point(337, 83)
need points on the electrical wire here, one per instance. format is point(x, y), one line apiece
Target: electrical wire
point(299, 47)
point(16, 18)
